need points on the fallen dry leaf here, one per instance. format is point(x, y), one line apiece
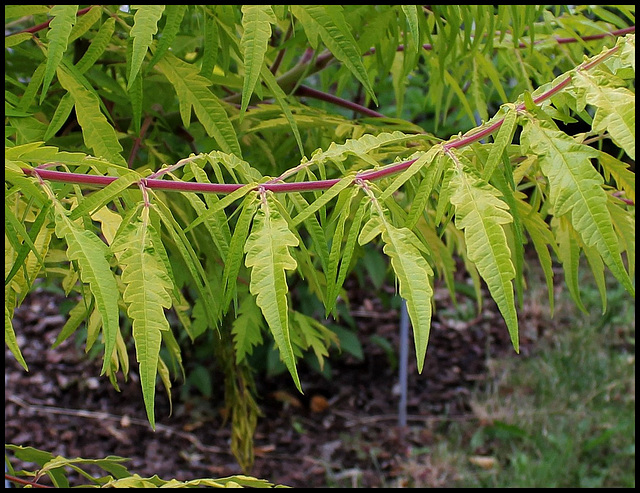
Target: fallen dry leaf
point(483, 461)
point(318, 404)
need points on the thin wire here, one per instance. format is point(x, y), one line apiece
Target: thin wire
point(403, 363)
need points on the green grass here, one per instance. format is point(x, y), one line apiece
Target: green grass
point(563, 416)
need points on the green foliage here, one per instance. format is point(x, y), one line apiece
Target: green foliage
point(56, 469)
point(208, 105)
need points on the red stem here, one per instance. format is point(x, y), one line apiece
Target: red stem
point(33, 484)
point(136, 143)
point(308, 185)
point(330, 98)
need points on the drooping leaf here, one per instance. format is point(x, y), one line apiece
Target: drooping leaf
point(310, 333)
point(503, 181)
point(233, 261)
point(145, 26)
point(616, 110)
point(542, 238)
point(481, 214)
point(278, 93)
point(173, 18)
point(425, 188)
point(135, 90)
point(329, 22)
point(13, 11)
point(221, 204)
point(10, 339)
point(14, 228)
point(163, 373)
point(60, 116)
point(403, 177)
point(76, 316)
point(347, 254)
point(256, 24)
point(16, 39)
point(91, 255)
point(31, 252)
point(34, 84)
point(247, 328)
point(625, 225)
point(98, 134)
point(441, 256)
point(268, 256)
point(414, 277)
point(411, 14)
point(502, 140)
point(215, 224)
point(64, 17)
point(96, 200)
point(625, 178)
point(569, 256)
point(412, 271)
point(315, 230)
point(344, 211)
point(576, 190)
point(211, 46)
point(324, 199)
point(193, 91)
point(85, 22)
point(147, 294)
point(98, 44)
point(192, 263)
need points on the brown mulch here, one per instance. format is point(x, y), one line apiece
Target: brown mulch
point(342, 432)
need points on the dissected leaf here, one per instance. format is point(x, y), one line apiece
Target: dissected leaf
point(247, 328)
point(97, 46)
point(481, 214)
point(329, 22)
point(615, 113)
point(268, 256)
point(414, 278)
point(10, 339)
point(98, 134)
point(91, 254)
point(193, 91)
point(173, 19)
point(256, 22)
point(576, 191)
point(145, 26)
point(147, 294)
point(64, 17)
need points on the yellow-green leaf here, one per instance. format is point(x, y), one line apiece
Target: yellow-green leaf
point(256, 24)
point(98, 134)
point(193, 91)
point(481, 214)
point(145, 26)
point(64, 17)
point(329, 22)
point(269, 258)
point(91, 254)
point(615, 113)
point(147, 295)
point(576, 190)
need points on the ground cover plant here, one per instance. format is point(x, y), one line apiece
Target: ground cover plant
point(197, 171)
point(561, 416)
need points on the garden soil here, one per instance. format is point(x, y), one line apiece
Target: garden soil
point(343, 431)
